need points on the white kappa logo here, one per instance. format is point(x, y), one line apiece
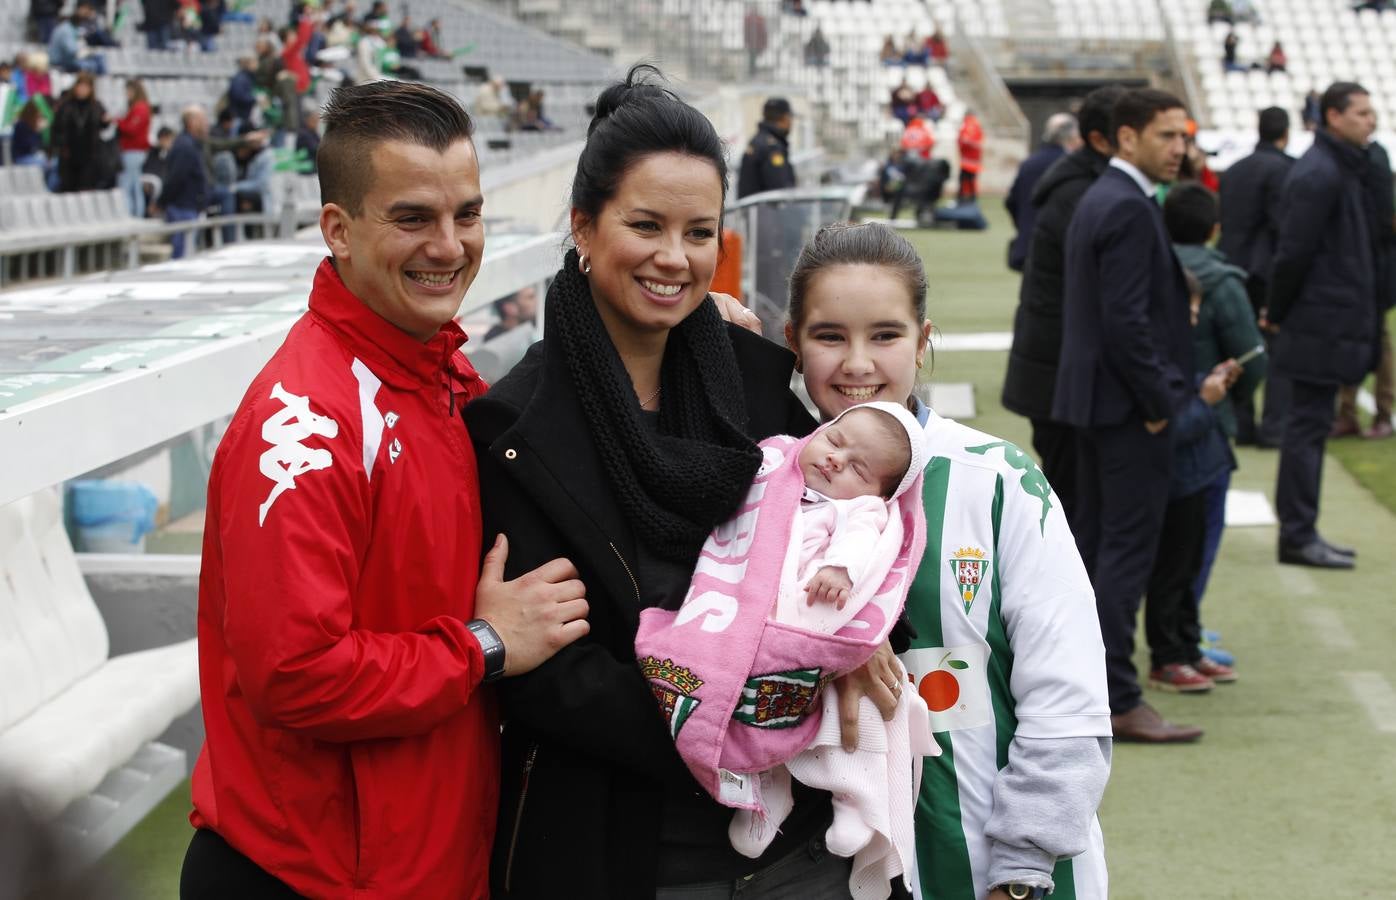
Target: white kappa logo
point(288, 459)
point(394, 449)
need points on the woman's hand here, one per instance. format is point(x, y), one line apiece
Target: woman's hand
point(732, 310)
point(880, 680)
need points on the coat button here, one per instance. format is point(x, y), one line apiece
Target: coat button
point(511, 453)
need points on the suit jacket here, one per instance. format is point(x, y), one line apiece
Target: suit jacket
point(1126, 342)
point(587, 759)
point(1251, 191)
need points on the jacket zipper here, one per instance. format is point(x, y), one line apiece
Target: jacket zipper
point(518, 815)
point(633, 583)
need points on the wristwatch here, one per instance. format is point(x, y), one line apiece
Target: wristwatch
point(492, 647)
point(1024, 891)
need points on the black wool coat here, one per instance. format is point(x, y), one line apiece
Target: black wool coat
point(586, 756)
point(1031, 379)
point(1323, 293)
point(1251, 194)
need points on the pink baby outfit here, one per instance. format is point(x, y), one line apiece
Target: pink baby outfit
point(740, 670)
point(840, 533)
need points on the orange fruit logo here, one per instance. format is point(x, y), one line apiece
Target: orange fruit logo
point(940, 688)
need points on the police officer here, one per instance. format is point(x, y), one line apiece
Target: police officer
point(766, 164)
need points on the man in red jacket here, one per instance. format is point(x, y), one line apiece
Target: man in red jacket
point(971, 157)
point(346, 627)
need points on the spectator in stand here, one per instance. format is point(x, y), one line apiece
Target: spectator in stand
point(1125, 372)
point(1323, 301)
point(1030, 382)
point(490, 102)
point(226, 128)
point(1225, 329)
point(27, 139)
point(1229, 63)
point(268, 63)
point(159, 23)
point(184, 193)
point(38, 81)
point(76, 136)
point(519, 308)
point(1220, 11)
point(1383, 218)
point(766, 163)
point(133, 137)
point(754, 37)
point(928, 103)
point(817, 48)
point(92, 27)
point(1194, 166)
point(407, 43)
point(293, 62)
point(1244, 11)
point(242, 90)
point(1250, 192)
point(43, 16)
point(971, 144)
point(1277, 60)
point(376, 13)
point(938, 48)
point(368, 53)
point(432, 42)
point(66, 50)
point(916, 53)
point(904, 102)
point(17, 76)
point(210, 24)
point(1060, 135)
point(890, 55)
point(155, 165)
point(308, 138)
point(1310, 114)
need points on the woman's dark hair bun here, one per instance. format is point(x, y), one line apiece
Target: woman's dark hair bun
point(643, 82)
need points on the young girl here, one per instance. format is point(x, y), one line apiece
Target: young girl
point(1008, 654)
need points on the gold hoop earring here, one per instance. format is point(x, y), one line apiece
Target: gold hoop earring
point(921, 361)
point(584, 264)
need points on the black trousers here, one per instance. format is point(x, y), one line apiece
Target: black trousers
point(1122, 477)
point(1171, 622)
point(1055, 444)
point(1300, 475)
point(1278, 397)
point(213, 870)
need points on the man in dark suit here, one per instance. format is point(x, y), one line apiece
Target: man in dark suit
point(1323, 299)
point(1251, 191)
point(1031, 379)
point(1060, 136)
point(1125, 370)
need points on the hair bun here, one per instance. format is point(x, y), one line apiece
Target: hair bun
point(642, 83)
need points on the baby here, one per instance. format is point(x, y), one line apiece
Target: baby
point(852, 467)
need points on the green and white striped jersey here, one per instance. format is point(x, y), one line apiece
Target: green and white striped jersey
point(1007, 644)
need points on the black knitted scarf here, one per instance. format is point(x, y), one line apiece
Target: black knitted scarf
point(674, 484)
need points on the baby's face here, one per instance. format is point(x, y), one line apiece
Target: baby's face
point(854, 457)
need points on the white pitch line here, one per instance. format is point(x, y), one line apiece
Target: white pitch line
point(1366, 402)
point(989, 340)
point(1373, 693)
point(1328, 627)
point(1299, 581)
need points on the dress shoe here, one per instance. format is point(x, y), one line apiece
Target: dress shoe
point(1339, 549)
point(1144, 725)
point(1315, 554)
point(1380, 430)
point(1179, 678)
point(1219, 673)
point(1344, 428)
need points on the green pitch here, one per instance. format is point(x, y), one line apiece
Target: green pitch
point(1292, 791)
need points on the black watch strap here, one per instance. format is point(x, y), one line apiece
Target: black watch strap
point(491, 646)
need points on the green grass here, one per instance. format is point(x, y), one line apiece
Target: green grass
point(1371, 462)
point(1291, 792)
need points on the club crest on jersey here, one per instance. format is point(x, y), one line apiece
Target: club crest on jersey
point(778, 700)
point(968, 565)
point(288, 459)
point(671, 685)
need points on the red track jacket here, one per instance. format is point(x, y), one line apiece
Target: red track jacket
point(350, 750)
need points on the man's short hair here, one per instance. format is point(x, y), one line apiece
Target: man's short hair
point(1059, 128)
point(1190, 213)
point(775, 109)
point(360, 117)
point(1338, 97)
point(1094, 114)
point(1137, 108)
point(1274, 124)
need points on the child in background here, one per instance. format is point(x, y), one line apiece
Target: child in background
point(1225, 329)
point(1200, 454)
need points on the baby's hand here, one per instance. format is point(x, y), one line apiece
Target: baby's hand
point(830, 584)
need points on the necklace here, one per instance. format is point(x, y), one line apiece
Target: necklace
point(651, 398)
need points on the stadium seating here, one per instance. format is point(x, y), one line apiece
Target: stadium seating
point(72, 720)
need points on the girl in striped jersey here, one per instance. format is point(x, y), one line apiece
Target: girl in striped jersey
point(1008, 653)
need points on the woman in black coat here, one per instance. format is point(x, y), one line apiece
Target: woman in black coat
point(76, 137)
point(618, 443)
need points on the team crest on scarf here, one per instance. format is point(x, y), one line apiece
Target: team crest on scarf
point(672, 684)
point(778, 700)
point(968, 565)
